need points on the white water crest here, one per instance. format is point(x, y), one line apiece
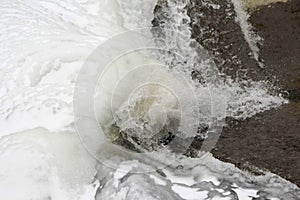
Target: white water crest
point(252, 39)
point(44, 44)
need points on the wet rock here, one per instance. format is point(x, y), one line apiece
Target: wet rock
point(214, 26)
point(295, 6)
point(270, 140)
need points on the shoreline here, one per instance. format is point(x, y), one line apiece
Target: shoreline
point(271, 140)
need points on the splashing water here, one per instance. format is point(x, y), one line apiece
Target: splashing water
point(45, 43)
point(251, 38)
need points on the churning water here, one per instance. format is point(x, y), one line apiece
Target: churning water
point(51, 49)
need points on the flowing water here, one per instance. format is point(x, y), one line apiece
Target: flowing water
point(45, 44)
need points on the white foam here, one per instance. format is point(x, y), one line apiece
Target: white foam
point(43, 45)
point(189, 179)
point(38, 164)
point(242, 18)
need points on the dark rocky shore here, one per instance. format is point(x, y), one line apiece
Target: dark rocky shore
point(270, 140)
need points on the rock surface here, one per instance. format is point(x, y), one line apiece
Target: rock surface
point(271, 140)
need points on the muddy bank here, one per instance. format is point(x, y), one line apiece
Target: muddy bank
point(271, 140)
